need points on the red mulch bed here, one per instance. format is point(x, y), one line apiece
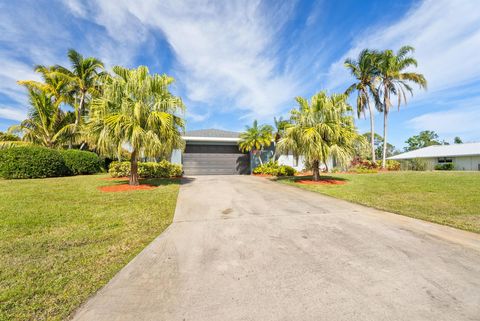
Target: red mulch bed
point(321, 182)
point(125, 188)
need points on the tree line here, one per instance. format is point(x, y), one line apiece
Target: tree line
point(324, 127)
point(84, 106)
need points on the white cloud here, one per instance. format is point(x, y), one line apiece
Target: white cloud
point(461, 121)
point(446, 35)
point(225, 50)
point(12, 113)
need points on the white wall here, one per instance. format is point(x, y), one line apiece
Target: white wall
point(466, 163)
point(290, 161)
point(176, 157)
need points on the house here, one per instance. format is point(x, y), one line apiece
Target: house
point(464, 156)
point(215, 151)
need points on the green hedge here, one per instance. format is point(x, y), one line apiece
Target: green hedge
point(445, 167)
point(81, 162)
point(31, 162)
point(162, 169)
point(275, 169)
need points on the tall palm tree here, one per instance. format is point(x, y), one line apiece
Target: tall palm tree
point(256, 138)
point(365, 71)
point(319, 129)
point(394, 79)
point(280, 125)
point(84, 80)
point(47, 124)
point(136, 110)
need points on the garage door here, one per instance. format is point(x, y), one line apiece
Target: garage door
point(215, 160)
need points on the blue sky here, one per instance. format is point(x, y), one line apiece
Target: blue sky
point(235, 61)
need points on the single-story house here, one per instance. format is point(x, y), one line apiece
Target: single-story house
point(464, 156)
point(215, 151)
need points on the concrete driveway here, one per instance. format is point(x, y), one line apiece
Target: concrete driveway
point(245, 248)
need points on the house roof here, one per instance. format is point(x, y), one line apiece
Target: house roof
point(211, 132)
point(212, 135)
point(467, 149)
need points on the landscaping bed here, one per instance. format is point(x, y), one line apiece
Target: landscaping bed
point(449, 198)
point(62, 239)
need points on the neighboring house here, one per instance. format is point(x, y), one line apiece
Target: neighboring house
point(464, 156)
point(215, 151)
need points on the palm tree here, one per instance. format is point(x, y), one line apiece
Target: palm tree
point(319, 129)
point(364, 69)
point(280, 125)
point(255, 138)
point(47, 124)
point(83, 79)
point(138, 112)
point(395, 80)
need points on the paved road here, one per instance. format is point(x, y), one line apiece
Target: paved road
point(244, 248)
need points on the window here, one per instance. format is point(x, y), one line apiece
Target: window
point(443, 160)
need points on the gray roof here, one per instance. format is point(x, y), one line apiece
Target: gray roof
point(212, 133)
point(467, 149)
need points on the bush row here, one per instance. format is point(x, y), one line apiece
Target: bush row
point(162, 169)
point(274, 169)
point(367, 166)
point(445, 167)
point(40, 162)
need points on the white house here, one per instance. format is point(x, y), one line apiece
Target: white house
point(465, 157)
point(215, 151)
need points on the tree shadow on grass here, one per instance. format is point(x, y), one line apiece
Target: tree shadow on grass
point(310, 177)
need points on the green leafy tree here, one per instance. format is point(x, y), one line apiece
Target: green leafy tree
point(423, 139)
point(47, 124)
point(457, 140)
point(256, 138)
point(319, 129)
point(395, 80)
point(83, 80)
point(136, 110)
point(365, 71)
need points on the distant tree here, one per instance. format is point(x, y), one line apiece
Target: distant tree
point(391, 150)
point(8, 137)
point(457, 140)
point(423, 139)
point(365, 71)
point(256, 138)
point(395, 79)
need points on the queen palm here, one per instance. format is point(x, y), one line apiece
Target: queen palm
point(364, 70)
point(256, 138)
point(47, 124)
point(138, 112)
point(319, 129)
point(83, 79)
point(394, 79)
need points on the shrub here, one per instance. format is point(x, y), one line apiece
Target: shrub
point(390, 164)
point(274, 169)
point(359, 170)
point(445, 167)
point(415, 164)
point(162, 169)
point(81, 162)
point(363, 164)
point(31, 162)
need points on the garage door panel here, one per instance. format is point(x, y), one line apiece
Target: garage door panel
point(215, 160)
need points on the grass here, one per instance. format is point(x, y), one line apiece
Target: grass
point(61, 239)
point(449, 198)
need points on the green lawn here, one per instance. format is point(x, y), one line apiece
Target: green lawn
point(61, 239)
point(449, 198)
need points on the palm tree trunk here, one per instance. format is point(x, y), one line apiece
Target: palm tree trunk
point(316, 170)
point(80, 109)
point(260, 157)
point(133, 179)
point(372, 132)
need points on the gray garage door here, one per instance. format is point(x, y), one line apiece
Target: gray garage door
point(215, 160)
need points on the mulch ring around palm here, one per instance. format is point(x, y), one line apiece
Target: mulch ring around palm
point(321, 182)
